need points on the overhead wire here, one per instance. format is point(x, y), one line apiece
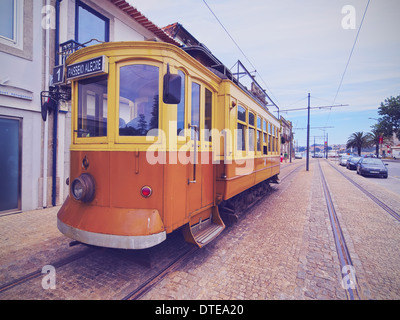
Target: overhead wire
point(240, 49)
point(348, 60)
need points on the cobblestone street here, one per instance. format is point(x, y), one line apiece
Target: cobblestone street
point(283, 248)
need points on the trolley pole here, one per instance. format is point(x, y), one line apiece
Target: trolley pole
point(308, 136)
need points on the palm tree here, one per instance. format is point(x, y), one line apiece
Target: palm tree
point(359, 140)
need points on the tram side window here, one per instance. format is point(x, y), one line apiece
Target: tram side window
point(269, 137)
point(138, 100)
point(265, 137)
point(92, 107)
point(196, 109)
point(241, 129)
point(208, 115)
point(259, 134)
point(251, 131)
point(181, 107)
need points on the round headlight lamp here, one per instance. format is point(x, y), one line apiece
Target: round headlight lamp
point(83, 188)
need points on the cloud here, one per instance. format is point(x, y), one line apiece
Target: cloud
point(299, 47)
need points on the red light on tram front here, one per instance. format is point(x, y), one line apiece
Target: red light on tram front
point(146, 191)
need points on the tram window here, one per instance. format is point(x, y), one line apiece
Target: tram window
point(259, 134)
point(265, 137)
point(269, 143)
point(251, 131)
point(92, 107)
point(196, 108)
point(241, 129)
point(138, 100)
point(251, 139)
point(241, 114)
point(251, 119)
point(241, 137)
point(273, 139)
point(181, 107)
point(208, 115)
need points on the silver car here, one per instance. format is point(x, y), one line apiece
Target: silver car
point(343, 159)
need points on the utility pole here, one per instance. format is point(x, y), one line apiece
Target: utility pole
point(308, 136)
point(308, 124)
point(291, 141)
point(314, 146)
point(327, 148)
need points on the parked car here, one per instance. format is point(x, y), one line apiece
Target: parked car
point(343, 159)
point(372, 167)
point(352, 163)
point(298, 155)
point(371, 155)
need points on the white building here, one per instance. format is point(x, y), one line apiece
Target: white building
point(21, 80)
point(31, 32)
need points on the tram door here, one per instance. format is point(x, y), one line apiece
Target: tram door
point(200, 170)
point(194, 167)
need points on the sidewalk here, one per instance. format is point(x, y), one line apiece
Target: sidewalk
point(28, 241)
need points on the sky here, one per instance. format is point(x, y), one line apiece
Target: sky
point(300, 47)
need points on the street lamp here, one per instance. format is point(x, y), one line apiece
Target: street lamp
point(380, 141)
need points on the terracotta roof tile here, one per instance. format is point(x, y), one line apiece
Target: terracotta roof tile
point(142, 20)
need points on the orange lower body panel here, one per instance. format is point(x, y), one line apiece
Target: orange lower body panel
point(106, 220)
point(236, 177)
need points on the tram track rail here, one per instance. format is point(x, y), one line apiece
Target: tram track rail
point(340, 241)
point(182, 259)
point(153, 280)
point(35, 274)
point(296, 169)
point(146, 285)
point(380, 203)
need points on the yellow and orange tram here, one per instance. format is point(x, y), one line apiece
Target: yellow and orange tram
point(160, 142)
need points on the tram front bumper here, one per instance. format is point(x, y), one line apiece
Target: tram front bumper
point(111, 227)
point(111, 240)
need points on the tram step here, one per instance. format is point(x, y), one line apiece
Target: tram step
point(204, 231)
point(208, 234)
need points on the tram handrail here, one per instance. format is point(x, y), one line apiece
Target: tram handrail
point(195, 153)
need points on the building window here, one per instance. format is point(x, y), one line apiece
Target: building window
point(8, 19)
point(11, 23)
point(89, 24)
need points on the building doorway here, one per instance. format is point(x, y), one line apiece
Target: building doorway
point(10, 163)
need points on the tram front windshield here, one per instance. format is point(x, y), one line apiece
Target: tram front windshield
point(138, 103)
point(138, 100)
point(92, 107)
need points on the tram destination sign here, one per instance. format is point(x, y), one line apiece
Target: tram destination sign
point(87, 68)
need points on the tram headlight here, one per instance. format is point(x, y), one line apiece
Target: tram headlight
point(83, 188)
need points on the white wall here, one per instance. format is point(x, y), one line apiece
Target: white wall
point(25, 74)
point(122, 28)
